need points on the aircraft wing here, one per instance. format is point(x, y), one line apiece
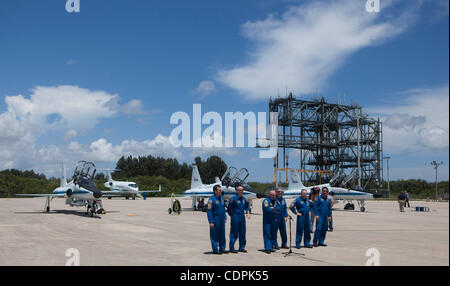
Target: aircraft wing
point(290, 196)
point(112, 193)
point(191, 196)
point(151, 191)
point(40, 195)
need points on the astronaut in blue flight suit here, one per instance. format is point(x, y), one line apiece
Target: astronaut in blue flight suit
point(322, 208)
point(270, 211)
point(301, 207)
point(238, 206)
point(282, 217)
point(217, 218)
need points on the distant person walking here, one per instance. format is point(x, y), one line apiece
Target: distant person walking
point(406, 198)
point(401, 201)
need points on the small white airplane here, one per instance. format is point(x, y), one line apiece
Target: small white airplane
point(81, 191)
point(228, 182)
point(127, 189)
point(347, 195)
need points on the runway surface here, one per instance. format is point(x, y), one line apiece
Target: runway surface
point(141, 232)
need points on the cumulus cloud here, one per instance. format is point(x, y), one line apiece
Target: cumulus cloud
point(205, 88)
point(301, 48)
point(61, 106)
point(70, 110)
point(417, 122)
point(46, 159)
point(434, 137)
point(397, 121)
point(70, 135)
point(134, 107)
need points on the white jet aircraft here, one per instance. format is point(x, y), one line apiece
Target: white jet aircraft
point(121, 188)
point(81, 191)
point(296, 186)
point(200, 191)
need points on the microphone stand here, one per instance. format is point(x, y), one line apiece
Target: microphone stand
point(290, 252)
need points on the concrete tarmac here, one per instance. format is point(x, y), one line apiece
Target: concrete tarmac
point(141, 232)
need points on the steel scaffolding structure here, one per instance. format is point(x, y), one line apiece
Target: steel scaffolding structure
point(329, 137)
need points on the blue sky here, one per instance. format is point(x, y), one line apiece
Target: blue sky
point(141, 61)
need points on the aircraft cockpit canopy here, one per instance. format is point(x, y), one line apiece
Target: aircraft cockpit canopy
point(234, 178)
point(85, 170)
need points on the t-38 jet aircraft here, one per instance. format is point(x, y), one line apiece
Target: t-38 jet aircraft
point(81, 191)
point(296, 186)
point(229, 182)
point(127, 189)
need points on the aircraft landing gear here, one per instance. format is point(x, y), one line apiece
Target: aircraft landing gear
point(133, 197)
point(361, 205)
point(349, 206)
point(47, 205)
point(91, 210)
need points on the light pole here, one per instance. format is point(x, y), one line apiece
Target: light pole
point(389, 188)
point(435, 167)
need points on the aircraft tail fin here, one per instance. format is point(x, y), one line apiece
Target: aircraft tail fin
point(63, 179)
point(196, 180)
point(108, 175)
point(295, 183)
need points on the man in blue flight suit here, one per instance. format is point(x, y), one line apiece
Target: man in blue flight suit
point(217, 218)
point(282, 217)
point(270, 210)
point(301, 207)
point(322, 208)
point(238, 206)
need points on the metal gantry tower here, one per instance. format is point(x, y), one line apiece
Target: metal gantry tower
point(329, 137)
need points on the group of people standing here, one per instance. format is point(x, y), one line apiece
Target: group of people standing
point(316, 207)
point(307, 209)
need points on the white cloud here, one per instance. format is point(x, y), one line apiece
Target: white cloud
point(421, 124)
point(134, 107)
point(70, 135)
point(305, 45)
point(56, 108)
point(434, 137)
point(205, 88)
point(68, 109)
point(61, 106)
point(397, 121)
point(47, 159)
